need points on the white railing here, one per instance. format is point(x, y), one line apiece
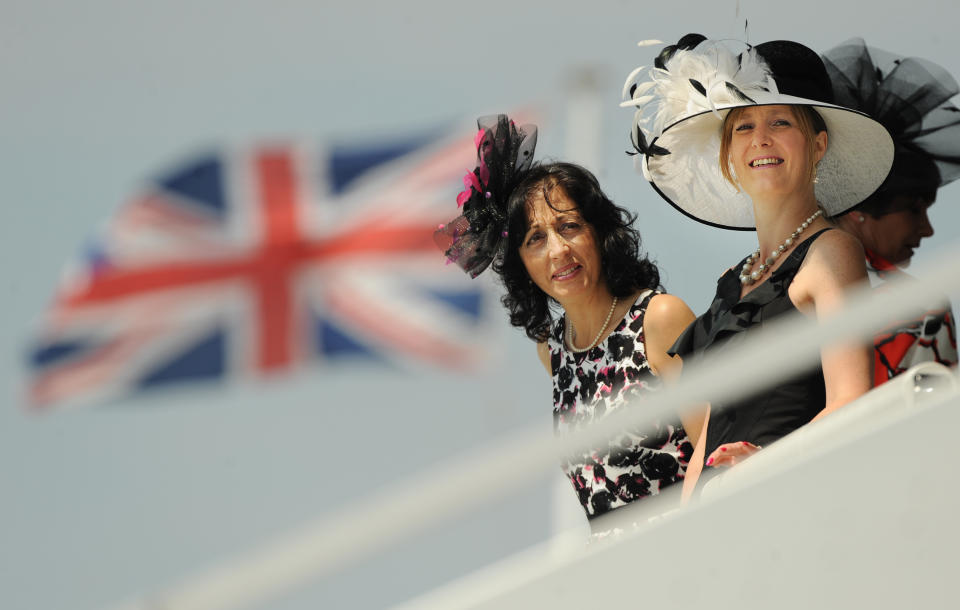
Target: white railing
point(851, 511)
point(901, 397)
point(367, 527)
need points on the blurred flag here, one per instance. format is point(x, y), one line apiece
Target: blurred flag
point(251, 261)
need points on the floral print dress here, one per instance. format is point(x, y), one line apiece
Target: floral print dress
point(931, 337)
point(589, 385)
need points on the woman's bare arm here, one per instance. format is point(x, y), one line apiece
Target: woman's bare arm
point(666, 318)
point(834, 264)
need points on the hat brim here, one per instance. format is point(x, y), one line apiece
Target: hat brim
point(858, 157)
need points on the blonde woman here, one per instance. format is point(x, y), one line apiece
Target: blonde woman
point(752, 142)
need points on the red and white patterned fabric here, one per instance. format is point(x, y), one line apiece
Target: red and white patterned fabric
point(931, 337)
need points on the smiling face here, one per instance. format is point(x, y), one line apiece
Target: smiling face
point(770, 153)
point(896, 234)
point(559, 249)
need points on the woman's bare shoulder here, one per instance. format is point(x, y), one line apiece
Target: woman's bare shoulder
point(667, 310)
point(666, 318)
point(834, 262)
point(836, 242)
point(837, 254)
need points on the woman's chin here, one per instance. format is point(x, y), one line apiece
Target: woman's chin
point(770, 189)
point(567, 291)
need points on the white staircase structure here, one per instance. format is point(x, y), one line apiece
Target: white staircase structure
point(857, 510)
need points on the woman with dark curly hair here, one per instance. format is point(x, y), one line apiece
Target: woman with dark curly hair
point(578, 285)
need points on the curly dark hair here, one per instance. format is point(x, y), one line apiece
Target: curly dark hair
point(625, 269)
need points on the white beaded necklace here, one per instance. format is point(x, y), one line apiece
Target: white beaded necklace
point(747, 278)
point(571, 331)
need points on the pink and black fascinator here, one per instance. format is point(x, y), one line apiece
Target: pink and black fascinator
point(504, 153)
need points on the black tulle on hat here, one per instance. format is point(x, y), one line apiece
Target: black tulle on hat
point(504, 153)
point(910, 97)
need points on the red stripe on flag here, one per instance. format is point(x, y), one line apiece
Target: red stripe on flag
point(279, 257)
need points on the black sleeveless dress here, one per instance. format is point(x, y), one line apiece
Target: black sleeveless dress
point(774, 413)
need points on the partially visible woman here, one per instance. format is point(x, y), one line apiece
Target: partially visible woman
point(751, 141)
point(910, 97)
point(577, 284)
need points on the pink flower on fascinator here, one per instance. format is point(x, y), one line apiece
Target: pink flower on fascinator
point(472, 183)
point(470, 180)
point(478, 138)
point(484, 143)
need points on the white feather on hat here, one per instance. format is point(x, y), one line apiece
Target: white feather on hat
point(694, 82)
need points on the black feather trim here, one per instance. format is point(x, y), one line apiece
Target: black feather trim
point(743, 97)
point(664, 56)
point(658, 150)
point(698, 86)
point(639, 142)
point(690, 41)
point(686, 43)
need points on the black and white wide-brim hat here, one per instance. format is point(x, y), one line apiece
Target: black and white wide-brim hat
point(680, 112)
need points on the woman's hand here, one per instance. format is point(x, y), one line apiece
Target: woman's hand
point(731, 454)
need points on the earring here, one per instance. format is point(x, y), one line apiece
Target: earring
point(861, 218)
point(816, 179)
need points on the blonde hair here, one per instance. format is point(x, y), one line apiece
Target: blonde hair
point(809, 122)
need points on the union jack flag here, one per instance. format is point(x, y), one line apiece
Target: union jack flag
point(250, 261)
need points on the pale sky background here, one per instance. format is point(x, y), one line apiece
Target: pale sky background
point(99, 504)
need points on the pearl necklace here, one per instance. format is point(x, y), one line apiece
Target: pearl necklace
point(747, 278)
point(571, 331)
